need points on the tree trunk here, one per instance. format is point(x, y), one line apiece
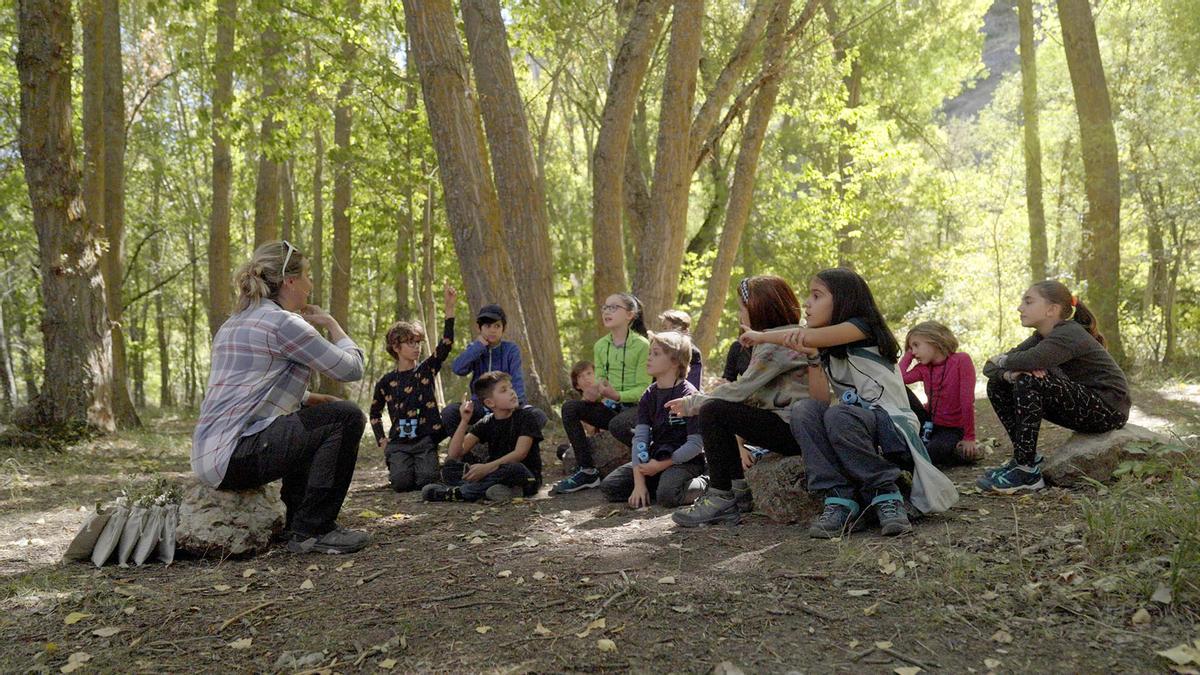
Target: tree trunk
point(7, 384)
point(317, 252)
point(429, 313)
point(706, 237)
point(220, 286)
point(636, 200)
point(848, 231)
point(166, 396)
point(609, 156)
point(339, 287)
point(287, 193)
point(745, 170)
point(1038, 250)
point(661, 256)
point(266, 192)
point(472, 208)
point(113, 260)
point(75, 332)
point(28, 374)
point(519, 187)
point(1101, 254)
point(404, 233)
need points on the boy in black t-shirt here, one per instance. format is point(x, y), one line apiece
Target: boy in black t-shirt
point(668, 453)
point(408, 394)
point(512, 435)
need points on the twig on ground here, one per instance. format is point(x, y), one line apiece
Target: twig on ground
point(239, 615)
point(908, 659)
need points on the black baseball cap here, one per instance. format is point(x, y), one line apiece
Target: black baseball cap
point(490, 314)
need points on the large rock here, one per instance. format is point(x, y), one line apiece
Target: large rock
point(223, 523)
point(607, 452)
point(1095, 456)
point(777, 483)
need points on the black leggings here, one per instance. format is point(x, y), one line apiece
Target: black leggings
point(943, 441)
point(314, 451)
point(575, 412)
point(1022, 405)
point(720, 424)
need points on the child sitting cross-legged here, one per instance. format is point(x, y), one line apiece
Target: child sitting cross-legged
point(512, 435)
point(667, 449)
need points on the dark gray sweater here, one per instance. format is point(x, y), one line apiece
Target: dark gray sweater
point(1071, 350)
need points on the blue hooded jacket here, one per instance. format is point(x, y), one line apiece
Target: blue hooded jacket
point(477, 359)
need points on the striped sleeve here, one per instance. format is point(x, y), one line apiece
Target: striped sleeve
point(300, 342)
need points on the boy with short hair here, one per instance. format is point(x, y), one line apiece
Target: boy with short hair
point(583, 375)
point(408, 394)
point(667, 450)
point(512, 434)
point(488, 352)
point(681, 322)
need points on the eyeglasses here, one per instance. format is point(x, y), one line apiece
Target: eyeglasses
point(612, 308)
point(288, 258)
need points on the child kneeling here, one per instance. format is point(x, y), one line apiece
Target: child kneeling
point(667, 449)
point(512, 435)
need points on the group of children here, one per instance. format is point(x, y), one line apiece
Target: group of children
point(831, 388)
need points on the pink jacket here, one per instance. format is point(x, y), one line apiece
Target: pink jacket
point(949, 388)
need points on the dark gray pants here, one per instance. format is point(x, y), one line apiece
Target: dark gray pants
point(839, 444)
point(669, 488)
point(513, 475)
point(411, 464)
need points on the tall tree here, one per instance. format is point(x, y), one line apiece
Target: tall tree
point(1101, 250)
point(220, 290)
point(1038, 250)
point(75, 333)
point(339, 286)
point(266, 192)
point(518, 185)
point(661, 256)
point(317, 254)
point(612, 143)
point(472, 206)
point(852, 81)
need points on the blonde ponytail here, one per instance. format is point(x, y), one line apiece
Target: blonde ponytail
point(261, 277)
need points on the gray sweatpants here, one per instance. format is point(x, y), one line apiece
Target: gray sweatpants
point(668, 488)
point(839, 444)
point(411, 464)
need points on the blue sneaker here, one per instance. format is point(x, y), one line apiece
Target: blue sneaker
point(1010, 480)
point(992, 471)
point(580, 480)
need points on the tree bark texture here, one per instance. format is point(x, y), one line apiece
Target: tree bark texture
point(220, 273)
point(1038, 249)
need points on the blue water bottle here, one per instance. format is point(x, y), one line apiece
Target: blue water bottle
point(643, 453)
point(611, 404)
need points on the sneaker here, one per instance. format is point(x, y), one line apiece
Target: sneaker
point(337, 541)
point(437, 492)
point(714, 506)
point(580, 480)
point(1013, 479)
point(501, 494)
point(745, 500)
point(893, 519)
point(836, 520)
point(991, 472)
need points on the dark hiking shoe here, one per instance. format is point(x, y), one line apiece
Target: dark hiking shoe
point(836, 520)
point(437, 492)
point(893, 519)
point(580, 480)
point(502, 494)
point(712, 507)
point(338, 540)
point(991, 472)
point(745, 500)
point(1012, 480)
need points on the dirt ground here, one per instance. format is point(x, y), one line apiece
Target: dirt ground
point(572, 583)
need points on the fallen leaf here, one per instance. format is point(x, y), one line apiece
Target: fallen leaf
point(130, 609)
point(476, 533)
point(482, 629)
point(1183, 654)
point(870, 611)
point(541, 630)
point(345, 566)
point(107, 631)
point(1140, 617)
point(853, 644)
point(313, 568)
point(684, 609)
point(992, 664)
point(520, 580)
point(538, 576)
point(596, 624)
point(1002, 636)
point(75, 617)
point(368, 513)
point(858, 593)
point(450, 547)
point(504, 574)
point(907, 670)
point(387, 664)
point(591, 598)
point(988, 595)
point(606, 645)
point(667, 580)
point(1162, 595)
point(530, 542)
point(249, 573)
point(75, 661)
point(889, 568)
point(477, 540)
point(244, 643)
point(307, 585)
point(984, 512)
point(883, 644)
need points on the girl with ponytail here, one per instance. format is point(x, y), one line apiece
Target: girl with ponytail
point(1062, 373)
point(611, 401)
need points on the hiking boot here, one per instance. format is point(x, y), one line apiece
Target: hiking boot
point(502, 494)
point(741, 493)
point(1013, 479)
point(893, 519)
point(714, 506)
point(336, 541)
point(437, 492)
point(836, 520)
point(991, 472)
point(580, 480)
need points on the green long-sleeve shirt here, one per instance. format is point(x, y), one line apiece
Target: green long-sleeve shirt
point(624, 366)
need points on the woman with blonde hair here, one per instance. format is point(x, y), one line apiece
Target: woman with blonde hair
point(259, 423)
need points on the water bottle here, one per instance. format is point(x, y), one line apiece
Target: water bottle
point(850, 397)
point(926, 432)
point(611, 404)
point(643, 453)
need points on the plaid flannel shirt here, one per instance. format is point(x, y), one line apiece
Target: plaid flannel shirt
point(261, 362)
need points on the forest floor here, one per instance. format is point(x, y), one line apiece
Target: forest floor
point(1061, 581)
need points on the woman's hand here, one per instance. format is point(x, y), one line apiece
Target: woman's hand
point(317, 317)
point(314, 398)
